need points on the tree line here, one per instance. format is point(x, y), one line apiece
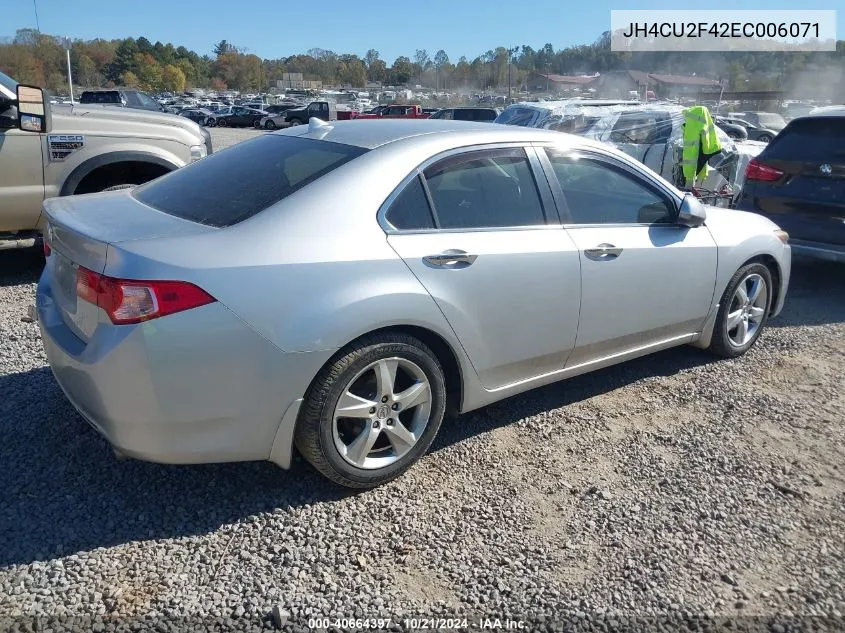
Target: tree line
point(36, 58)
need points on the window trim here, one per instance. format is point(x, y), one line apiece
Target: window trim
point(547, 202)
point(600, 156)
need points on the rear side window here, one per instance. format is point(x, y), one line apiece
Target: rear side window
point(240, 182)
point(100, 97)
point(410, 209)
point(485, 189)
point(814, 139)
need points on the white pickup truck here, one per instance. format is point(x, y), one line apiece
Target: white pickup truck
point(60, 150)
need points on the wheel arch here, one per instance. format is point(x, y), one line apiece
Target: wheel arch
point(100, 161)
point(774, 269)
point(442, 349)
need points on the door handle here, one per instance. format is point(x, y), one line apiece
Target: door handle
point(451, 259)
point(603, 252)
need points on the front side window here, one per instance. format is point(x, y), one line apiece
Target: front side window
point(598, 192)
point(485, 189)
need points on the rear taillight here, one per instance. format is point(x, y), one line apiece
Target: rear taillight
point(760, 171)
point(131, 301)
point(46, 246)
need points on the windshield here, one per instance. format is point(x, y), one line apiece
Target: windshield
point(9, 84)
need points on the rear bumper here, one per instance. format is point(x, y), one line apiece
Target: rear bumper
point(193, 387)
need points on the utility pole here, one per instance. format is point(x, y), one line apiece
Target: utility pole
point(66, 42)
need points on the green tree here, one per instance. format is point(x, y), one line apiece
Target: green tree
point(222, 48)
point(401, 71)
point(129, 79)
point(172, 79)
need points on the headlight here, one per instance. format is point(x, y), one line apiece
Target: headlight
point(198, 152)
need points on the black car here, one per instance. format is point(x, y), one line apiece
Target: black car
point(124, 97)
point(734, 130)
point(798, 182)
point(467, 114)
point(197, 115)
point(237, 116)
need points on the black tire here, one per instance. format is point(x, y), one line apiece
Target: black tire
point(222, 123)
point(764, 138)
point(734, 136)
point(720, 344)
point(314, 437)
point(209, 122)
point(269, 125)
point(295, 122)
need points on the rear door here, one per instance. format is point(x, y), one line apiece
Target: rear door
point(486, 244)
point(807, 199)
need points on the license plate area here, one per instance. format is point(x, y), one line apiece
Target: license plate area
point(66, 281)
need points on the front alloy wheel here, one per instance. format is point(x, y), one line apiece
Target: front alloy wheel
point(743, 311)
point(373, 411)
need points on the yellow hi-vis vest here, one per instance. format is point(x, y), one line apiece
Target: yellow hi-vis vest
point(699, 138)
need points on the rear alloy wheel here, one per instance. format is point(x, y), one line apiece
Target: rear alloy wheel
point(222, 123)
point(209, 122)
point(269, 125)
point(373, 412)
point(764, 138)
point(295, 122)
point(743, 311)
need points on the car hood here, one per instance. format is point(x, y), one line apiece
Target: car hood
point(115, 120)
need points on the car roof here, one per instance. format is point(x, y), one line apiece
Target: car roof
point(375, 133)
point(835, 110)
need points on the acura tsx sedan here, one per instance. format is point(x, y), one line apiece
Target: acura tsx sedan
point(337, 288)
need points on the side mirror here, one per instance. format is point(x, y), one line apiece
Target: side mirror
point(33, 109)
point(692, 213)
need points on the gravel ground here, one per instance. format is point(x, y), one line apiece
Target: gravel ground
point(658, 492)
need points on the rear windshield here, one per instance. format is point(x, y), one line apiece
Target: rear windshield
point(241, 181)
point(816, 139)
point(517, 116)
point(100, 97)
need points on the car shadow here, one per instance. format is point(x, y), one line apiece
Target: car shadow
point(20, 266)
point(570, 391)
point(816, 294)
point(64, 491)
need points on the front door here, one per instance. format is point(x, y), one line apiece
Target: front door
point(21, 178)
point(506, 280)
point(645, 279)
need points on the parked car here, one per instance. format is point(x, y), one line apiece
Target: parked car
point(275, 119)
point(734, 130)
point(323, 110)
point(761, 126)
point(467, 114)
point(395, 112)
point(124, 97)
point(798, 181)
point(407, 268)
point(197, 115)
point(235, 116)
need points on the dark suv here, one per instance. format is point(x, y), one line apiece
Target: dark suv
point(468, 114)
point(798, 181)
point(122, 97)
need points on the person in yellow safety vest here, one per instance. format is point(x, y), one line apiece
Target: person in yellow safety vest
point(700, 143)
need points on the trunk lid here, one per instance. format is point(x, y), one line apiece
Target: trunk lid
point(80, 230)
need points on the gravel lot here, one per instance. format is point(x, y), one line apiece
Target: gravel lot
point(669, 488)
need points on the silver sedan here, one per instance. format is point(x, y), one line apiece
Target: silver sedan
point(337, 288)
